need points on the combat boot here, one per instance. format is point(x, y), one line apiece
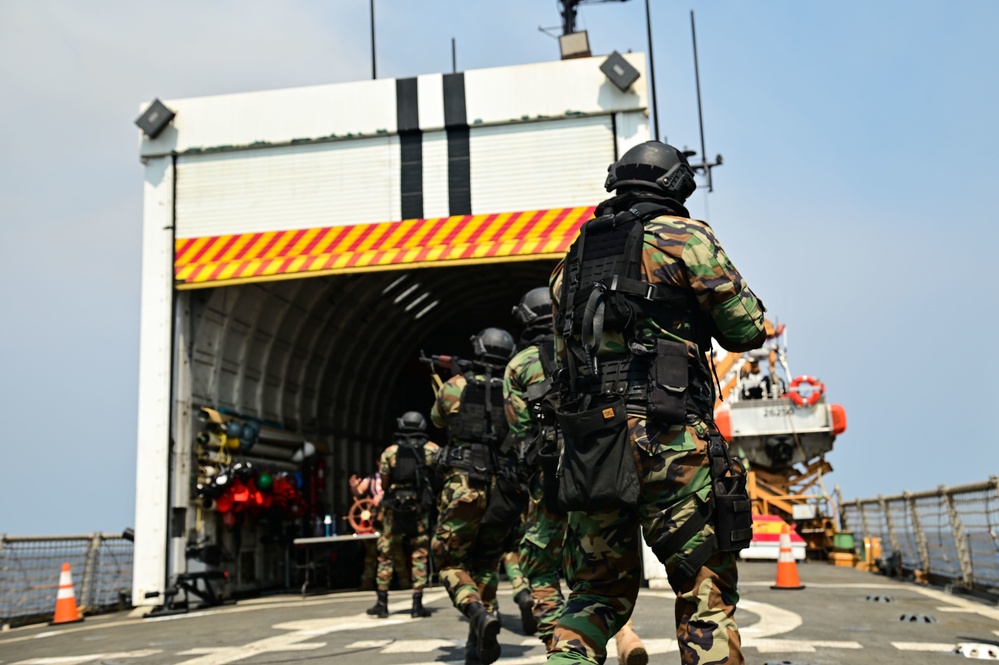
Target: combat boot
point(380, 608)
point(526, 605)
point(486, 627)
point(418, 611)
point(630, 648)
point(472, 648)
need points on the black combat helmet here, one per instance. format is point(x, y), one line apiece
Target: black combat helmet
point(535, 308)
point(653, 166)
point(411, 421)
point(494, 345)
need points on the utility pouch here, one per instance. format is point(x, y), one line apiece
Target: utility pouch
point(598, 470)
point(475, 460)
point(668, 382)
point(405, 506)
point(508, 500)
point(733, 509)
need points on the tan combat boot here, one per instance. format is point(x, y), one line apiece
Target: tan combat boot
point(630, 648)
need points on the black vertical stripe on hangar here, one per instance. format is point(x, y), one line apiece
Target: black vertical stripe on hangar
point(459, 172)
point(407, 113)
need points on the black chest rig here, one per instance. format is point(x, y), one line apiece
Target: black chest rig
point(480, 417)
point(410, 460)
point(603, 289)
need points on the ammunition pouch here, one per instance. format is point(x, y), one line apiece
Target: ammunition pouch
point(509, 497)
point(668, 380)
point(475, 459)
point(598, 469)
point(405, 506)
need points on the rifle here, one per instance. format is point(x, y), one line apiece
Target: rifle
point(452, 364)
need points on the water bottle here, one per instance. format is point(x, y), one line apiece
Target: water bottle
point(328, 521)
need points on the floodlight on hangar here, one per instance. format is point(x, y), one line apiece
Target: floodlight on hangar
point(155, 119)
point(619, 71)
point(574, 45)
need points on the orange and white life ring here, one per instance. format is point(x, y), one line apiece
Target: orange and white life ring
point(818, 389)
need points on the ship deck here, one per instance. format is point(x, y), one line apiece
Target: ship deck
point(835, 619)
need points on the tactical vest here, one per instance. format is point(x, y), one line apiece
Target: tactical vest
point(409, 461)
point(603, 288)
point(480, 417)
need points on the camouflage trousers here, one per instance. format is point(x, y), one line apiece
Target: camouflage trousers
point(371, 565)
point(602, 557)
point(391, 545)
point(467, 553)
point(511, 565)
point(541, 559)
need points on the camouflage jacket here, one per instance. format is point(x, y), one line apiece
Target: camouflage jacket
point(684, 253)
point(387, 461)
point(523, 370)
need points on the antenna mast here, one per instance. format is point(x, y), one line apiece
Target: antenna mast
point(569, 12)
point(705, 166)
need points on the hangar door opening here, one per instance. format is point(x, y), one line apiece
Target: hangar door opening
point(332, 361)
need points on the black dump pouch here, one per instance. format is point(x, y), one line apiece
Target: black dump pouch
point(668, 383)
point(733, 509)
point(406, 512)
point(508, 500)
point(598, 470)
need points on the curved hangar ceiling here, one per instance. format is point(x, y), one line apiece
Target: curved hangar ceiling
point(337, 356)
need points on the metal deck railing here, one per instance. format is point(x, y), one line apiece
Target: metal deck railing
point(950, 534)
point(29, 574)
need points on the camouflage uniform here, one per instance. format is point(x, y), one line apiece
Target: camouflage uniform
point(388, 543)
point(541, 546)
point(602, 553)
point(467, 552)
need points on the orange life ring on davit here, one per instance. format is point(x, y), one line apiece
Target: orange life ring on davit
point(818, 389)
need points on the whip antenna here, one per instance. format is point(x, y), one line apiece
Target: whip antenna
point(705, 166)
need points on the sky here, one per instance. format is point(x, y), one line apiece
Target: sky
point(859, 143)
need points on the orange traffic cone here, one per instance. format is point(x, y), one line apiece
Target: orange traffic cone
point(787, 569)
point(65, 610)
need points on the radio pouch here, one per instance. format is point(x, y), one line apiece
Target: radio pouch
point(668, 381)
point(598, 470)
point(733, 509)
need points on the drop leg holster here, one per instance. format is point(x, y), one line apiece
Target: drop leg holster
point(730, 507)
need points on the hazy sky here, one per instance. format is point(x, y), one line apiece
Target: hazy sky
point(860, 148)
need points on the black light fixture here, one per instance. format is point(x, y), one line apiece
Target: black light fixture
point(155, 119)
point(619, 71)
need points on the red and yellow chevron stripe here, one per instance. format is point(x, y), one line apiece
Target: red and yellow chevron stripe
point(224, 259)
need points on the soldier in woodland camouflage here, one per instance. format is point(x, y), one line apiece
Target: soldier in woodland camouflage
point(405, 469)
point(473, 520)
point(635, 325)
point(525, 381)
point(541, 545)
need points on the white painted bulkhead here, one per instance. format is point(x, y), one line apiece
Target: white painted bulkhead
point(333, 358)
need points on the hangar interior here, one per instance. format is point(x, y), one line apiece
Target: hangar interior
point(332, 360)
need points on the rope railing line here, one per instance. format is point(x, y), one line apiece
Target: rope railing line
point(951, 533)
point(101, 565)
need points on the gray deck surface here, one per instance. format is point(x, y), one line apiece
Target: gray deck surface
point(830, 621)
